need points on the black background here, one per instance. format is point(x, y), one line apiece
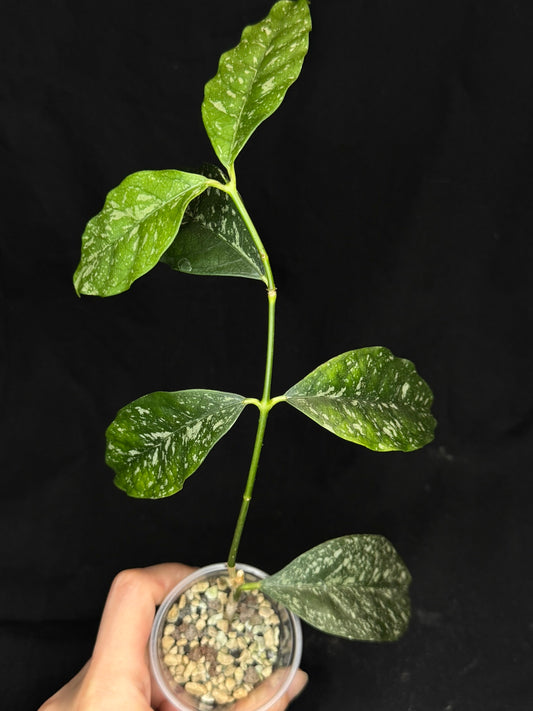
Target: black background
point(393, 190)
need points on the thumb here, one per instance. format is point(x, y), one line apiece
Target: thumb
point(266, 690)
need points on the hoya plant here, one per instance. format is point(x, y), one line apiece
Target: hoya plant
point(355, 586)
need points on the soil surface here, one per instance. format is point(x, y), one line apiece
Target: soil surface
point(218, 649)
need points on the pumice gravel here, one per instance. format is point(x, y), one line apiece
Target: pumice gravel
point(216, 649)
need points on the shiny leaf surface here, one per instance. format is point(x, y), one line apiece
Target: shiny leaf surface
point(213, 238)
point(138, 222)
point(159, 440)
point(254, 76)
point(370, 397)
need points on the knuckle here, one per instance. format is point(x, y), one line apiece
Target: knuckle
point(48, 705)
point(127, 581)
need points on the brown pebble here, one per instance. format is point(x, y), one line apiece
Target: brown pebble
point(251, 676)
point(222, 583)
point(196, 654)
point(191, 632)
point(245, 613)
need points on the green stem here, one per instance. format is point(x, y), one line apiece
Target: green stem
point(265, 404)
point(256, 585)
point(247, 496)
point(247, 586)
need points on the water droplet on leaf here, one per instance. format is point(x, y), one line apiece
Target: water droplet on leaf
point(184, 265)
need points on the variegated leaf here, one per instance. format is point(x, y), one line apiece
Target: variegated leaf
point(353, 586)
point(159, 440)
point(254, 76)
point(213, 238)
point(370, 397)
point(138, 222)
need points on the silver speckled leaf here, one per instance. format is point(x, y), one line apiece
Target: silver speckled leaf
point(213, 238)
point(370, 397)
point(159, 440)
point(138, 222)
point(254, 76)
point(354, 586)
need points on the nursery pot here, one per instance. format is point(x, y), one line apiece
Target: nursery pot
point(209, 652)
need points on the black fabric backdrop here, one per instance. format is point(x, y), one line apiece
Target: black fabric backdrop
point(393, 190)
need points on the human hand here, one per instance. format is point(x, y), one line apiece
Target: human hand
point(117, 677)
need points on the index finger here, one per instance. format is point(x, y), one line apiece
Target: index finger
point(128, 616)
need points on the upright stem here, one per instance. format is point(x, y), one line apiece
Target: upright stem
point(265, 404)
point(247, 496)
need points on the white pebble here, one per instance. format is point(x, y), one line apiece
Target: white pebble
point(167, 643)
point(221, 697)
point(224, 659)
point(200, 587)
point(173, 613)
point(195, 688)
point(223, 625)
point(212, 592)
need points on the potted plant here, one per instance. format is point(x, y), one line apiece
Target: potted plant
point(220, 636)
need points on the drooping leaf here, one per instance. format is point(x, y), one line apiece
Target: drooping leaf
point(159, 440)
point(370, 397)
point(138, 222)
point(213, 238)
point(353, 586)
point(254, 76)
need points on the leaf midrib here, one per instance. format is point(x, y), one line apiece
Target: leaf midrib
point(251, 84)
point(161, 206)
point(159, 443)
point(321, 585)
point(229, 244)
point(365, 401)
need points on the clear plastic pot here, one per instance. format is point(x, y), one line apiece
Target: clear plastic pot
point(283, 655)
